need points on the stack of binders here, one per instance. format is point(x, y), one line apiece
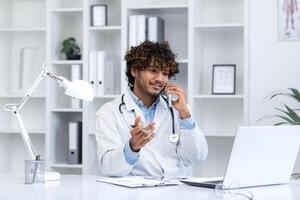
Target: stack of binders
point(102, 72)
point(143, 28)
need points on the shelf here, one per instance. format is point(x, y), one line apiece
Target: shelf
point(20, 30)
point(219, 26)
point(219, 134)
point(65, 165)
point(66, 62)
point(67, 10)
point(146, 7)
point(66, 110)
point(11, 96)
point(163, 11)
point(219, 97)
point(107, 96)
point(31, 132)
point(105, 28)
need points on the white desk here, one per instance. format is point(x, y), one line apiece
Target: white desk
point(86, 188)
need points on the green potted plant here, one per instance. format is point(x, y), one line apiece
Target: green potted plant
point(288, 115)
point(71, 49)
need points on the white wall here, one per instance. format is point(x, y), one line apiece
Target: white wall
point(274, 64)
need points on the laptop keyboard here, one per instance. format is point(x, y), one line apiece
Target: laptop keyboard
point(215, 182)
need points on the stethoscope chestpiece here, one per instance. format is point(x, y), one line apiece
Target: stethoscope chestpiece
point(173, 138)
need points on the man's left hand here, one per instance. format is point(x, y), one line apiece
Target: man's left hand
point(180, 103)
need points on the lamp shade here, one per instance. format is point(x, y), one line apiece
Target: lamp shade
point(79, 89)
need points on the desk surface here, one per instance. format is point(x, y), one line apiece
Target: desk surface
point(77, 187)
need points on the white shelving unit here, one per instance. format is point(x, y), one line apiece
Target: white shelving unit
point(218, 35)
point(201, 32)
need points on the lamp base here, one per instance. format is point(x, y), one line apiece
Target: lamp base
point(52, 176)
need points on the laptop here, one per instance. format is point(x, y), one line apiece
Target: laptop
point(260, 156)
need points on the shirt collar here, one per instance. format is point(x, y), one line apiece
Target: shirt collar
point(139, 102)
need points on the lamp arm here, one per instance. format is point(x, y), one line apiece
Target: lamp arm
point(24, 133)
point(45, 72)
point(16, 108)
point(33, 87)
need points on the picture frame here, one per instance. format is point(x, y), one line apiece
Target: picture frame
point(223, 79)
point(98, 15)
point(288, 20)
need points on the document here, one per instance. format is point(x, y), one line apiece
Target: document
point(75, 142)
point(138, 182)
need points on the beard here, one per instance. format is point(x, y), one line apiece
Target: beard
point(151, 89)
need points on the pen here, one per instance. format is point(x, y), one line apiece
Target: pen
point(36, 165)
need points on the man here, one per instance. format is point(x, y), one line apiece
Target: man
point(134, 132)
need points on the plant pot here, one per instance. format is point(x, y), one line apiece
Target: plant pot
point(73, 57)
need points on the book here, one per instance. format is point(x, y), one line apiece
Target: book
point(155, 29)
point(93, 70)
point(109, 74)
point(76, 74)
point(100, 71)
point(142, 26)
point(28, 63)
point(75, 143)
point(133, 30)
point(99, 15)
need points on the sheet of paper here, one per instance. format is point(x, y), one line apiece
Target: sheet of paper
point(135, 182)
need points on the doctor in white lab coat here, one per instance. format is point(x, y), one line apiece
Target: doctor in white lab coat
point(136, 133)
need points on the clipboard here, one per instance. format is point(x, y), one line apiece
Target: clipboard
point(139, 182)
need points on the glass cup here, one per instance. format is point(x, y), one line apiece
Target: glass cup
point(34, 171)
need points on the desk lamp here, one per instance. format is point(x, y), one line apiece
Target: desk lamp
point(78, 88)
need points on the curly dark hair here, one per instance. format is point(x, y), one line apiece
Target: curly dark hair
point(149, 54)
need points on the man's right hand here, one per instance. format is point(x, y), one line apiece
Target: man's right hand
point(140, 135)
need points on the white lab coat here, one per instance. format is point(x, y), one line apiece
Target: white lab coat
point(157, 158)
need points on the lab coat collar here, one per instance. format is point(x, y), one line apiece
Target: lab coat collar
point(131, 105)
point(129, 102)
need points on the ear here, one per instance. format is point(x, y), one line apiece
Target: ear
point(133, 72)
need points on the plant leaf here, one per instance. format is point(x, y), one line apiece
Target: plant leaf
point(293, 114)
point(295, 94)
point(290, 113)
point(288, 120)
point(274, 94)
point(280, 123)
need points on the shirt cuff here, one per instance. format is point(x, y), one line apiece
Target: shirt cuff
point(130, 156)
point(187, 123)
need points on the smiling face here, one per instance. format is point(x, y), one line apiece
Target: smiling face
point(149, 82)
point(150, 57)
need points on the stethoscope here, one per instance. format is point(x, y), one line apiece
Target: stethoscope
point(173, 138)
